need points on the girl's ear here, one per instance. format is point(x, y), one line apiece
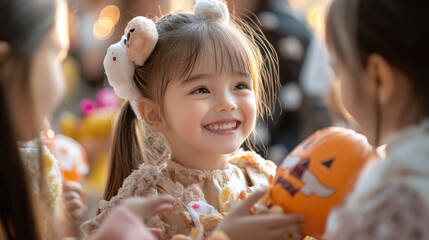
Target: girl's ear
point(4, 55)
point(381, 73)
point(4, 52)
point(150, 113)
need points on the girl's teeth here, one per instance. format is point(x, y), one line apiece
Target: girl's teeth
point(222, 127)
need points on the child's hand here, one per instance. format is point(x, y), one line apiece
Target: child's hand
point(147, 208)
point(239, 224)
point(73, 197)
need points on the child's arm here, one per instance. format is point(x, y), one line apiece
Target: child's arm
point(141, 183)
point(73, 195)
point(128, 221)
point(239, 224)
point(71, 208)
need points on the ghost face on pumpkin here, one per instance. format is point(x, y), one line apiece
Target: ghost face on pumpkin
point(318, 174)
point(299, 169)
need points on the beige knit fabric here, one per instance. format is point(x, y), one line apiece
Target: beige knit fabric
point(245, 170)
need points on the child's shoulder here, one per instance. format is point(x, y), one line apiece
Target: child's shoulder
point(257, 168)
point(147, 176)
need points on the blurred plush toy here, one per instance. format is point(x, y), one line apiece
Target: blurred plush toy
point(93, 132)
point(318, 174)
point(70, 154)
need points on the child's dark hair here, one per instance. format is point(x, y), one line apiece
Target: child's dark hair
point(24, 25)
point(397, 30)
point(183, 40)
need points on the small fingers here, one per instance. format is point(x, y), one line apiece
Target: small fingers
point(244, 206)
point(155, 231)
point(162, 208)
point(74, 204)
point(156, 204)
point(72, 198)
point(72, 186)
point(291, 232)
point(281, 220)
point(147, 208)
point(71, 195)
point(76, 214)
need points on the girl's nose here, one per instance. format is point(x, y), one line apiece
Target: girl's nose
point(226, 104)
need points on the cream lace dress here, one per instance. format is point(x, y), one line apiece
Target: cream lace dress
point(188, 186)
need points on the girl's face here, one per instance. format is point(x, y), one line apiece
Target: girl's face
point(210, 112)
point(47, 81)
point(357, 98)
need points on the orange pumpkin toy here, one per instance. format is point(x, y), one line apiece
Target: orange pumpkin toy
point(318, 174)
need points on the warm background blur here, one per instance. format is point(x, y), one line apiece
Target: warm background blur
point(295, 28)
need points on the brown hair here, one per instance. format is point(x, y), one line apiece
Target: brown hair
point(24, 25)
point(397, 30)
point(183, 39)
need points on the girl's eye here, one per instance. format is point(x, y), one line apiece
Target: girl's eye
point(241, 86)
point(200, 90)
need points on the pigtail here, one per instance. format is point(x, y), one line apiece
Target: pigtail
point(126, 154)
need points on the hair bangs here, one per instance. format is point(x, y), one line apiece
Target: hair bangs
point(228, 49)
point(200, 40)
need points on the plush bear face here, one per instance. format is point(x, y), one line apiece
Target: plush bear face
point(141, 37)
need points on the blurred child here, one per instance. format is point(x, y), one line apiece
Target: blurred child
point(33, 42)
point(380, 53)
point(194, 85)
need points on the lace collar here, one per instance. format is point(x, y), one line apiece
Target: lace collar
point(175, 169)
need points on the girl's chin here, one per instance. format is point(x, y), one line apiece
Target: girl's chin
point(224, 150)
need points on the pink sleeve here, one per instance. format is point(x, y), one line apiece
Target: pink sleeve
point(122, 224)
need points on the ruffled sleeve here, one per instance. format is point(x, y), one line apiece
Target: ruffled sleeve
point(395, 211)
point(256, 168)
point(142, 182)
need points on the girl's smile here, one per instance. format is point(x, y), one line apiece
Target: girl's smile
point(224, 127)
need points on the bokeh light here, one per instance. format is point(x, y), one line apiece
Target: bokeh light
point(316, 18)
point(105, 24)
point(100, 31)
point(111, 12)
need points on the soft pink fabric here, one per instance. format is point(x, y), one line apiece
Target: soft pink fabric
point(122, 224)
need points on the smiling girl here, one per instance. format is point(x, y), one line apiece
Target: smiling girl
point(194, 89)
